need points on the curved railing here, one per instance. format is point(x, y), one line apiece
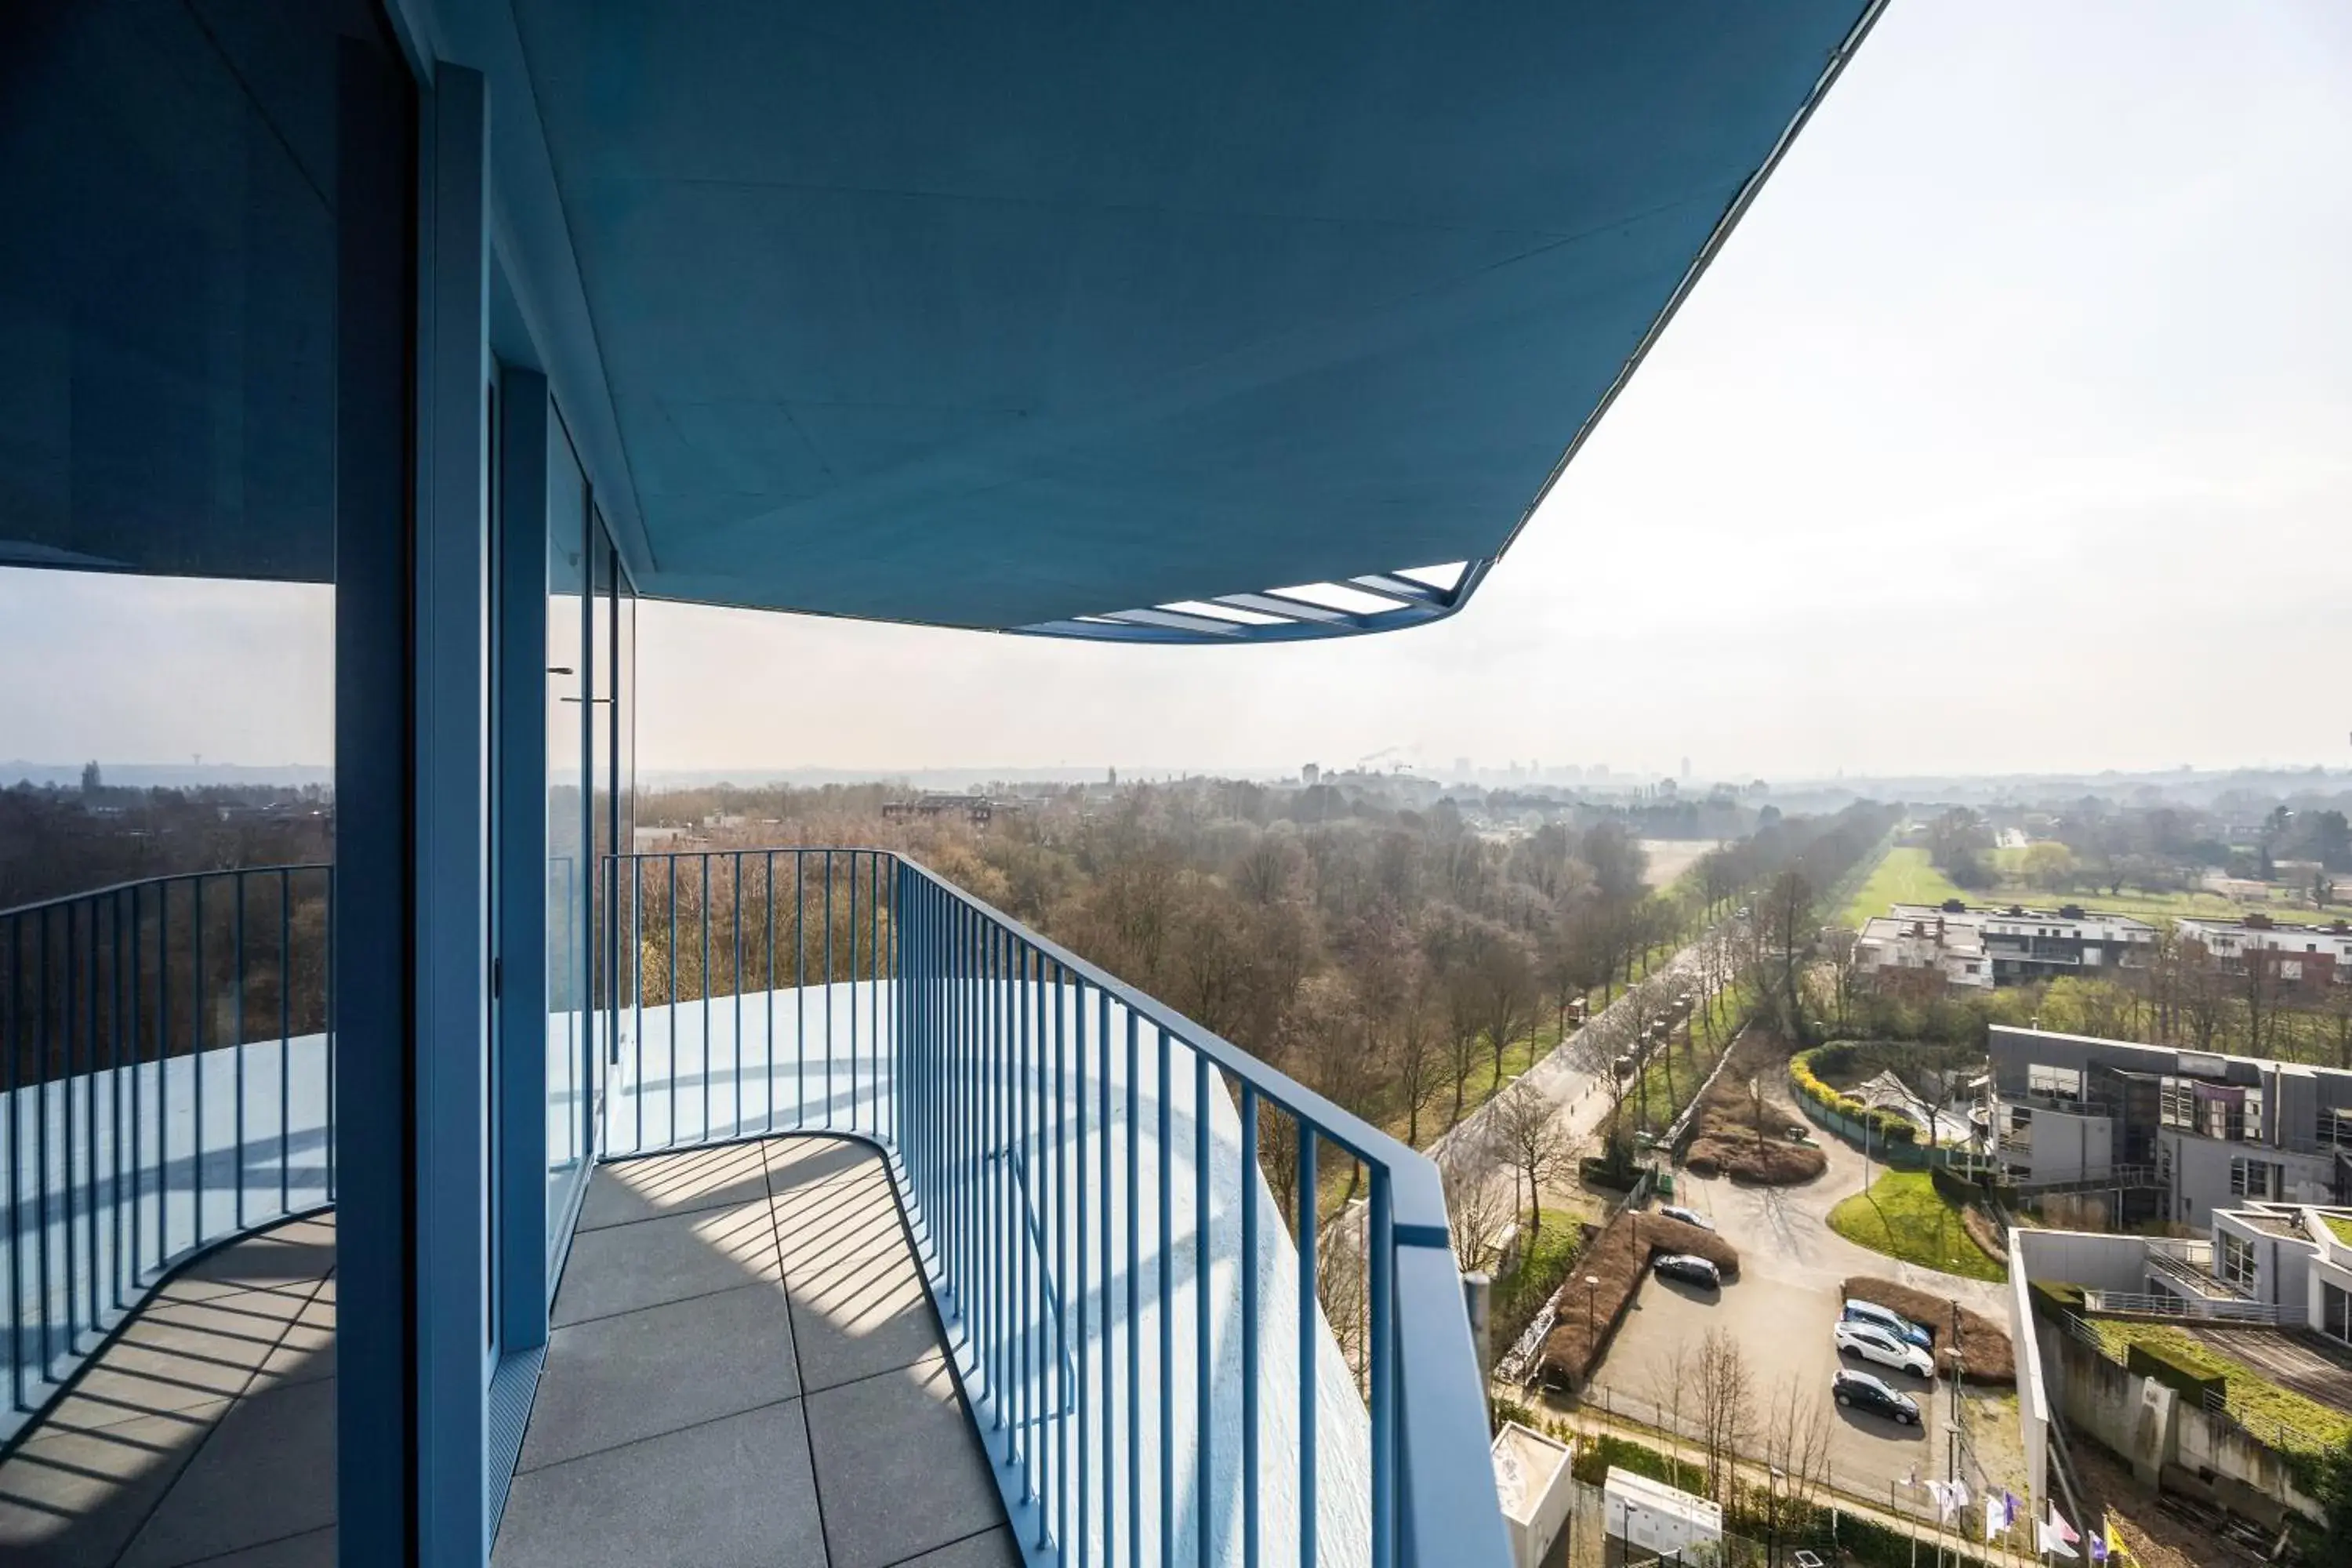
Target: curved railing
point(1171, 1356)
point(165, 1068)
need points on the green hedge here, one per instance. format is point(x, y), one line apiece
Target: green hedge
point(2156, 1362)
point(1597, 1456)
point(2055, 1298)
point(1804, 1072)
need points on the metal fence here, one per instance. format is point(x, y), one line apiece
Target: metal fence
point(1128, 1224)
point(165, 1073)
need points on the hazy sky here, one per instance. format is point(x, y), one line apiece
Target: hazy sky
point(2012, 430)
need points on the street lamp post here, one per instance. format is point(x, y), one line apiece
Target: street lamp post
point(1591, 1329)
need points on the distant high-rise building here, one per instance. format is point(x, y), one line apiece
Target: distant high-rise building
point(1310, 773)
point(1461, 767)
point(1685, 769)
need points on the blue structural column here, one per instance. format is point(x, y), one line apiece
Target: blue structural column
point(374, 887)
point(411, 892)
point(520, 1008)
point(452, 817)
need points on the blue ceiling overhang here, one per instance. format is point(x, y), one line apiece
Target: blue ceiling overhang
point(1165, 323)
point(1026, 315)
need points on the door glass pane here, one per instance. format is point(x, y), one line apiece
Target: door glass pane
point(600, 816)
point(568, 874)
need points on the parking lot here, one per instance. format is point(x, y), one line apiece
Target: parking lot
point(1780, 1310)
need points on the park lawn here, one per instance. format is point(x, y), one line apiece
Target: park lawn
point(1904, 876)
point(2252, 1398)
point(1903, 1216)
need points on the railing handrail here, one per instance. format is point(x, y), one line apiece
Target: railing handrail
point(1437, 1463)
point(1333, 1123)
point(115, 889)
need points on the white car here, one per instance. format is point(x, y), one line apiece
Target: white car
point(1688, 1216)
point(1874, 1344)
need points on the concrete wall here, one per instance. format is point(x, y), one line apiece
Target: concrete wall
point(2200, 1174)
point(2082, 1257)
point(2067, 1148)
point(2165, 1437)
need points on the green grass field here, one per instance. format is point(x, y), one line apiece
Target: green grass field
point(1902, 1216)
point(1908, 876)
point(1904, 876)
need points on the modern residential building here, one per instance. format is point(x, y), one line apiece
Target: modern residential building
point(495, 318)
point(1917, 941)
point(1977, 945)
point(2299, 957)
point(2026, 944)
point(2175, 1134)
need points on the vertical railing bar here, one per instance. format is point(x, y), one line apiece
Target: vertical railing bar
point(1134, 1298)
point(1025, 1322)
point(1086, 1382)
point(638, 976)
point(828, 988)
point(735, 904)
point(1308, 1204)
point(1249, 1184)
point(162, 1072)
point(673, 1095)
point(852, 1000)
point(1165, 1256)
point(236, 1014)
point(17, 1363)
point(65, 1008)
point(41, 1139)
point(285, 1040)
point(1204, 1329)
point(704, 856)
point(116, 1011)
point(196, 1063)
point(768, 984)
point(1109, 1322)
point(138, 1071)
point(1000, 1124)
point(328, 931)
point(1061, 1266)
point(1382, 1338)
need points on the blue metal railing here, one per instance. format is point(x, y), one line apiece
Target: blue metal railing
point(1179, 1342)
point(165, 1068)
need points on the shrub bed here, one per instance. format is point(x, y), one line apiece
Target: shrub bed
point(1726, 1141)
point(1986, 1355)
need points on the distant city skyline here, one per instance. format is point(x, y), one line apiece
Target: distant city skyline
point(2005, 435)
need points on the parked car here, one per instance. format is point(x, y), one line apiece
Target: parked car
point(1894, 1322)
point(1688, 1216)
point(1861, 1391)
point(1873, 1344)
point(1689, 1269)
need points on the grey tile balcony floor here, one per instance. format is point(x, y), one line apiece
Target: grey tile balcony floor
point(206, 1433)
point(745, 1369)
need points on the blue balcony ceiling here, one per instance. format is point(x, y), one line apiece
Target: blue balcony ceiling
point(994, 315)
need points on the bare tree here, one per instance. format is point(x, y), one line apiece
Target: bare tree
point(1528, 1133)
point(1478, 1214)
point(1795, 1441)
point(1725, 1400)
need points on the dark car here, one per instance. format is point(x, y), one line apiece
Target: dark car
point(1688, 1269)
point(1861, 1391)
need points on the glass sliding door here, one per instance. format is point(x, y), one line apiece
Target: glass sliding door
point(570, 874)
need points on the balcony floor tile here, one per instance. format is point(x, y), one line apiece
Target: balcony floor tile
point(615, 1380)
point(746, 1369)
